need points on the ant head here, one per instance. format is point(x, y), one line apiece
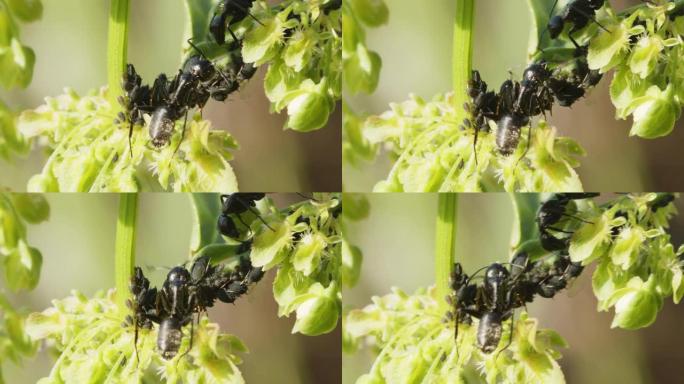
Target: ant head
point(200, 68)
point(178, 275)
point(555, 26)
point(536, 72)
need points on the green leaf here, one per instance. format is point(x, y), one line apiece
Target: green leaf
point(199, 15)
point(26, 10)
point(656, 113)
point(608, 49)
point(351, 264)
point(31, 207)
point(373, 13)
point(626, 247)
point(589, 242)
point(16, 65)
point(269, 246)
point(319, 314)
point(637, 305)
point(362, 70)
point(310, 107)
point(22, 267)
point(645, 55)
point(205, 212)
point(308, 253)
point(624, 89)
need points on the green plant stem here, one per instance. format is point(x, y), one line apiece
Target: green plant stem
point(125, 245)
point(117, 46)
point(444, 243)
point(462, 51)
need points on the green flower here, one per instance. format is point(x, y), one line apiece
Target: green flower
point(89, 152)
point(92, 345)
point(655, 113)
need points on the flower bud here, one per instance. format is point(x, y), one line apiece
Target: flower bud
point(318, 314)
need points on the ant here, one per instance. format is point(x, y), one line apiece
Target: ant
point(576, 12)
point(550, 214)
point(169, 100)
point(184, 293)
point(234, 205)
point(227, 14)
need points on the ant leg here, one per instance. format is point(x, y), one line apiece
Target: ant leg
point(182, 133)
point(510, 338)
point(527, 146)
point(255, 212)
point(477, 131)
point(192, 332)
point(246, 10)
point(130, 138)
point(135, 345)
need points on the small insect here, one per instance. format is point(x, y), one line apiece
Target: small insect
point(578, 13)
point(549, 216)
point(169, 100)
point(233, 206)
point(185, 292)
point(228, 13)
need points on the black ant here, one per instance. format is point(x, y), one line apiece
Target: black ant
point(549, 216)
point(503, 291)
point(185, 292)
point(228, 13)
point(169, 100)
point(233, 206)
point(576, 12)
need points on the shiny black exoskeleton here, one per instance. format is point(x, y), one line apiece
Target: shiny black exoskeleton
point(233, 206)
point(228, 13)
point(550, 214)
point(503, 290)
point(578, 13)
point(183, 294)
point(169, 100)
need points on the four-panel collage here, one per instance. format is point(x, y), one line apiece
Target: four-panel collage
point(341, 191)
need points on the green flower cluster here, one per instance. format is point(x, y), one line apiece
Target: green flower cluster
point(638, 267)
point(416, 346)
point(361, 65)
point(646, 49)
point(304, 244)
point(431, 153)
point(16, 67)
point(94, 348)
point(21, 264)
point(299, 41)
point(88, 152)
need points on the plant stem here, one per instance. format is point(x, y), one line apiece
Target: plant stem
point(444, 243)
point(125, 245)
point(462, 53)
point(117, 46)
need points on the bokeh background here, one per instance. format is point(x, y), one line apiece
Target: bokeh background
point(397, 241)
point(415, 47)
point(71, 48)
point(77, 244)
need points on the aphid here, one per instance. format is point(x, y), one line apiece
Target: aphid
point(578, 13)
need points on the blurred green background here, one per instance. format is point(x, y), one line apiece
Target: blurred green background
point(397, 241)
point(77, 244)
point(415, 47)
point(71, 47)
